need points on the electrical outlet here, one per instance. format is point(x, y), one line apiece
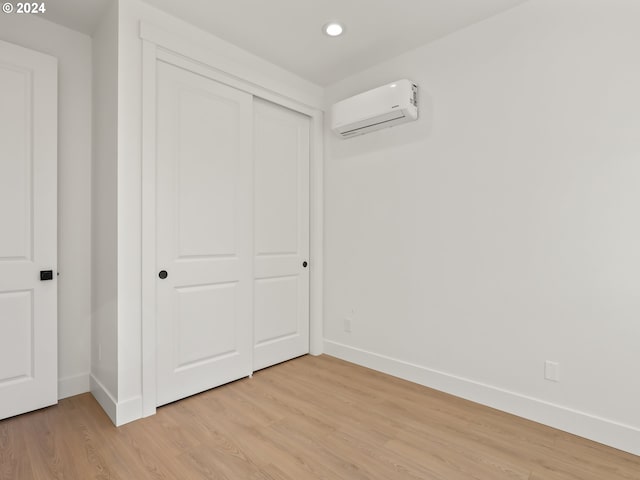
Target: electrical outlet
point(552, 371)
point(347, 324)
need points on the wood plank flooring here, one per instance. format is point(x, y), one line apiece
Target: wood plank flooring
point(310, 418)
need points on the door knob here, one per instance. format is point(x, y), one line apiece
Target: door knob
point(304, 264)
point(163, 274)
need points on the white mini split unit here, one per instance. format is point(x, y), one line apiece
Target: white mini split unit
point(375, 109)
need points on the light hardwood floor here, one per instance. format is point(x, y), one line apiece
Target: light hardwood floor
point(310, 418)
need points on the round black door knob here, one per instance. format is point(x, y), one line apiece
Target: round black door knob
point(304, 264)
point(163, 274)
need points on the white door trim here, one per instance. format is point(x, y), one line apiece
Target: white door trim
point(158, 45)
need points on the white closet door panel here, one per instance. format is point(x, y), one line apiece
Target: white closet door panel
point(200, 337)
point(281, 282)
point(207, 130)
point(277, 312)
point(16, 166)
point(204, 233)
point(17, 328)
point(28, 230)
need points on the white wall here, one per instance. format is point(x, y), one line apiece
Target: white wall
point(104, 358)
point(73, 51)
point(501, 229)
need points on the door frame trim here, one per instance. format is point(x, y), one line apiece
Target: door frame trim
point(158, 45)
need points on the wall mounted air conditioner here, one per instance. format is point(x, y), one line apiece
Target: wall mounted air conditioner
point(375, 109)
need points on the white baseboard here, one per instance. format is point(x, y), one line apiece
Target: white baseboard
point(129, 410)
point(104, 398)
point(119, 413)
point(75, 385)
point(605, 431)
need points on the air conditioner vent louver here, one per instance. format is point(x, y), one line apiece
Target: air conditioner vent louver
point(351, 133)
point(375, 109)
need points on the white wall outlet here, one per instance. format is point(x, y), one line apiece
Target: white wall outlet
point(347, 324)
point(552, 371)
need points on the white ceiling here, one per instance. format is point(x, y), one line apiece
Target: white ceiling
point(79, 15)
point(288, 32)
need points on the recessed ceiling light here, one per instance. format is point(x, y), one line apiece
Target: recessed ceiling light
point(333, 29)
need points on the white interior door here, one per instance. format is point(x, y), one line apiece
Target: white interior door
point(281, 249)
point(28, 230)
point(204, 233)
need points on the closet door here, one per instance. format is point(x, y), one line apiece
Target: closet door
point(204, 233)
point(28, 226)
point(281, 248)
